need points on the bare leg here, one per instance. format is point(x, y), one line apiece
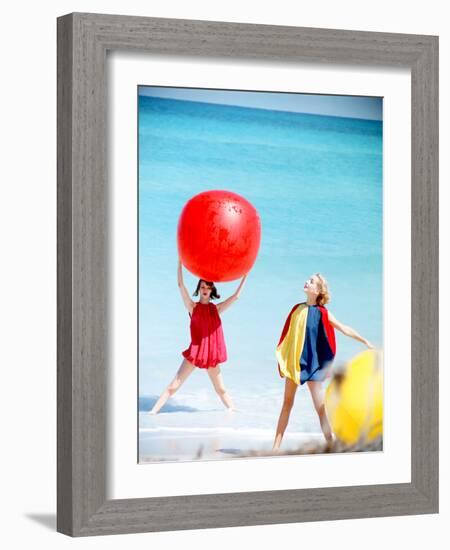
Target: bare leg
point(290, 389)
point(183, 372)
point(318, 399)
point(217, 380)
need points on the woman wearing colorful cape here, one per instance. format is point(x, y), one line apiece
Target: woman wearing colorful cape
point(306, 351)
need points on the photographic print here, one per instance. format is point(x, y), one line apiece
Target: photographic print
point(260, 276)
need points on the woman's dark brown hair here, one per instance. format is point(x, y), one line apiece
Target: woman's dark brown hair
point(214, 294)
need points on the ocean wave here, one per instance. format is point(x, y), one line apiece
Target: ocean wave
point(260, 432)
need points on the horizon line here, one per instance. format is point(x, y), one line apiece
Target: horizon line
point(261, 108)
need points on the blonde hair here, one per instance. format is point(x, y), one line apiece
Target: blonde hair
point(324, 293)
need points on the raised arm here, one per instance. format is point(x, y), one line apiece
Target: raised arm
point(348, 331)
point(222, 306)
point(183, 290)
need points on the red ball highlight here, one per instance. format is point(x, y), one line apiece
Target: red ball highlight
point(218, 237)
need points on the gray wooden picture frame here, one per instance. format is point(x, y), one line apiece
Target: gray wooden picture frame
point(83, 309)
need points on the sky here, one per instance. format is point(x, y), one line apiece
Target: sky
point(369, 108)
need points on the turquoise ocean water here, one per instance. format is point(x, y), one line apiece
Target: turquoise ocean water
point(316, 182)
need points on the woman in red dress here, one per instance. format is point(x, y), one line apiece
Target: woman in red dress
point(207, 349)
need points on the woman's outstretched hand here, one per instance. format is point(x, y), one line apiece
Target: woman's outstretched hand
point(180, 273)
point(369, 345)
point(241, 284)
point(183, 290)
point(227, 303)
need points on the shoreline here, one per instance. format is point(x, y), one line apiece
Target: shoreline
point(162, 444)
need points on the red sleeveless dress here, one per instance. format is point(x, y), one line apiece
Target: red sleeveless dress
point(207, 347)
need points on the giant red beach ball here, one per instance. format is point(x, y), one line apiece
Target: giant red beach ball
point(219, 233)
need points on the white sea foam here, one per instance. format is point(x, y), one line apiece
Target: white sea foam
point(221, 430)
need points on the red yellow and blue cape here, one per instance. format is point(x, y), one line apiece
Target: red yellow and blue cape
point(292, 340)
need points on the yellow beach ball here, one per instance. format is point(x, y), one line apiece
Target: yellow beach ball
point(354, 399)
